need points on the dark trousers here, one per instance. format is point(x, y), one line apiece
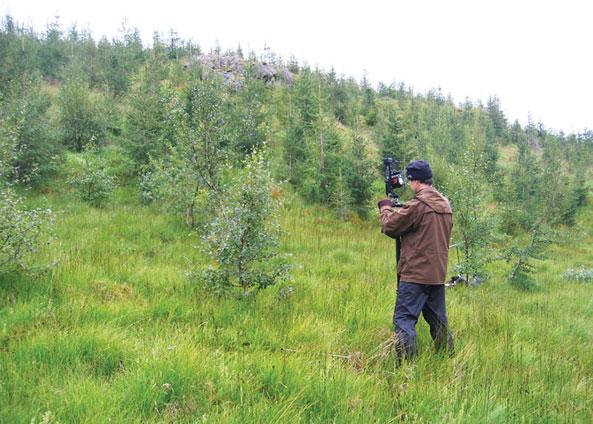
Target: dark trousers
point(413, 299)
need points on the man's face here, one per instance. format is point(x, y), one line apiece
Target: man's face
point(415, 184)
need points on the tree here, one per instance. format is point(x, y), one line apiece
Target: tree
point(26, 127)
point(186, 178)
point(496, 115)
point(147, 126)
point(392, 139)
point(82, 114)
point(91, 177)
point(23, 230)
point(52, 54)
point(520, 257)
point(19, 52)
point(369, 107)
point(245, 116)
point(243, 239)
point(359, 175)
point(474, 225)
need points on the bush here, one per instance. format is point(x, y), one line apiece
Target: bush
point(243, 240)
point(92, 179)
point(82, 115)
point(522, 269)
point(25, 131)
point(580, 275)
point(22, 231)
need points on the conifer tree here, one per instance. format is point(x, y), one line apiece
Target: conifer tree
point(360, 175)
point(393, 140)
point(148, 126)
point(369, 106)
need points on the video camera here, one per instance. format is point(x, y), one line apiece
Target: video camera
point(393, 179)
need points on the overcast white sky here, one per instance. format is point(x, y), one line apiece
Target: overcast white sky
point(534, 55)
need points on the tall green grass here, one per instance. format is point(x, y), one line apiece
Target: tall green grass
point(117, 333)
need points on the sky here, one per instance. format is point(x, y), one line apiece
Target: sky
point(535, 56)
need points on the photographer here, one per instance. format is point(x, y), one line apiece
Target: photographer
point(424, 227)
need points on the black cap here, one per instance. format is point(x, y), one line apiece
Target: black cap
point(418, 170)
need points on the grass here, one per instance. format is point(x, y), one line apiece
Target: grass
point(116, 333)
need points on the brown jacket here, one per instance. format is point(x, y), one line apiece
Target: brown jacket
point(424, 225)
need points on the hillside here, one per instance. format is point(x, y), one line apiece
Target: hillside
point(192, 236)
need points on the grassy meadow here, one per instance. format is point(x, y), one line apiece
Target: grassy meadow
point(115, 332)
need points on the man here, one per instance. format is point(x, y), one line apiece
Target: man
point(424, 227)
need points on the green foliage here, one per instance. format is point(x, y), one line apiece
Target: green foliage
point(26, 131)
point(119, 59)
point(580, 274)
point(341, 198)
point(369, 107)
point(245, 117)
point(74, 341)
point(243, 239)
point(19, 51)
point(151, 102)
point(474, 225)
point(496, 115)
point(91, 177)
point(392, 139)
point(23, 231)
point(52, 54)
point(118, 162)
point(184, 179)
point(520, 257)
point(82, 115)
point(360, 175)
point(342, 98)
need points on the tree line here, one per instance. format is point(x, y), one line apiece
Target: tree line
point(151, 116)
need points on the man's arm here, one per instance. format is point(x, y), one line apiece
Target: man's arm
point(396, 222)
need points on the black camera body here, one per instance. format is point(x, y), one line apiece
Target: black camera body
point(393, 179)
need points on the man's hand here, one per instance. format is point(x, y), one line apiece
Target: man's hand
point(385, 202)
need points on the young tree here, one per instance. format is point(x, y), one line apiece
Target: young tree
point(520, 258)
point(189, 174)
point(91, 177)
point(246, 120)
point(26, 127)
point(243, 239)
point(52, 53)
point(496, 115)
point(392, 137)
point(82, 114)
point(147, 126)
point(360, 175)
point(474, 225)
point(22, 230)
point(369, 106)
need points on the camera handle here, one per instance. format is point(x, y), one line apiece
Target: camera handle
point(396, 202)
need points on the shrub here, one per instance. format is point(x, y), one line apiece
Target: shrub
point(243, 240)
point(92, 179)
point(82, 115)
point(580, 274)
point(519, 256)
point(22, 231)
point(25, 131)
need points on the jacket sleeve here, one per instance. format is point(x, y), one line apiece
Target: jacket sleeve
point(397, 222)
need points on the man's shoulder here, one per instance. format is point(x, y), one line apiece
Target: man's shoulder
point(434, 200)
